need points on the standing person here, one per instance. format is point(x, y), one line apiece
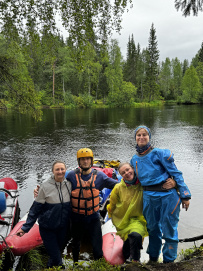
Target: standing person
point(160, 207)
point(52, 208)
point(86, 184)
point(126, 211)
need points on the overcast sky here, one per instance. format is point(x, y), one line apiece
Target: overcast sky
point(177, 36)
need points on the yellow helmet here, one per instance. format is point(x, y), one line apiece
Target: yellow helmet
point(85, 152)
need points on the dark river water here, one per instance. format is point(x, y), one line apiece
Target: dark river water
point(28, 148)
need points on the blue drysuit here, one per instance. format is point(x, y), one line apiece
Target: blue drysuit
point(161, 209)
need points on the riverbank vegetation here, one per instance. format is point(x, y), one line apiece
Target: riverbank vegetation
point(38, 68)
point(191, 259)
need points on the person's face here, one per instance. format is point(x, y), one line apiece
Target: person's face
point(85, 162)
point(142, 138)
point(59, 171)
point(127, 172)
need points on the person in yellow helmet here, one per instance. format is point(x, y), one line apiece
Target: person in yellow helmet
point(86, 184)
point(85, 154)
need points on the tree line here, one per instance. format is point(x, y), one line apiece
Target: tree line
point(37, 67)
point(43, 69)
point(169, 80)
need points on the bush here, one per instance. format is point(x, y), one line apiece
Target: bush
point(83, 101)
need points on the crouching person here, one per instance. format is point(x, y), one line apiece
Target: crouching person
point(125, 209)
point(52, 209)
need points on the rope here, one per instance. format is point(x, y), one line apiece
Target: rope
point(8, 248)
point(8, 192)
point(191, 239)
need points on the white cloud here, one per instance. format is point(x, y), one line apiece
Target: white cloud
point(177, 36)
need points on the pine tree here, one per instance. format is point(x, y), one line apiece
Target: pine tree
point(176, 77)
point(140, 72)
point(195, 60)
point(130, 67)
point(185, 66)
point(201, 53)
point(165, 78)
point(152, 65)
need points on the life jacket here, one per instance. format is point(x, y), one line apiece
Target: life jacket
point(85, 198)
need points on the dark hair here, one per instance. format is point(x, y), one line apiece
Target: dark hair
point(56, 162)
point(124, 163)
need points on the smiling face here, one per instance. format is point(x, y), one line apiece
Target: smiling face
point(59, 171)
point(127, 172)
point(142, 137)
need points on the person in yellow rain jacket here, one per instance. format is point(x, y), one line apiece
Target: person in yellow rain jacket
point(126, 211)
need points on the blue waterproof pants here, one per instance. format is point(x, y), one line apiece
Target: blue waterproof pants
point(54, 242)
point(161, 211)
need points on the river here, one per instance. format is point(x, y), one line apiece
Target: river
point(28, 148)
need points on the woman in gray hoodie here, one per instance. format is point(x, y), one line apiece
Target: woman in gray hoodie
point(52, 209)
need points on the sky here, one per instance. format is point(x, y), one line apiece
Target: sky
point(177, 36)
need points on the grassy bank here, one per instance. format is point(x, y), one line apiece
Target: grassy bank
point(36, 259)
point(101, 104)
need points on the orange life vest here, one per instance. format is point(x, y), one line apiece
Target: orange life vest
point(85, 198)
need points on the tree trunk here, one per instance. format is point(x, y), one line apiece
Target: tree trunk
point(54, 64)
point(63, 89)
point(141, 92)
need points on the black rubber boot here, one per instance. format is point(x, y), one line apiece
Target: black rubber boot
point(135, 240)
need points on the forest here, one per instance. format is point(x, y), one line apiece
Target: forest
point(38, 68)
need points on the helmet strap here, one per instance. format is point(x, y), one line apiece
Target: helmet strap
point(85, 169)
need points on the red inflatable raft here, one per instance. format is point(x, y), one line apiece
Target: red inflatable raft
point(112, 244)
point(9, 209)
point(30, 240)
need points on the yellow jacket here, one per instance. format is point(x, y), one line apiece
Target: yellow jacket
point(125, 209)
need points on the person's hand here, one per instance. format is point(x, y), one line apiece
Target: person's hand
point(170, 183)
point(185, 204)
point(36, 190)
point(20, 233)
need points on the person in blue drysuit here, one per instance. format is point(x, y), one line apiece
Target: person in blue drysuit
point(160, 207)
point(53, 211)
